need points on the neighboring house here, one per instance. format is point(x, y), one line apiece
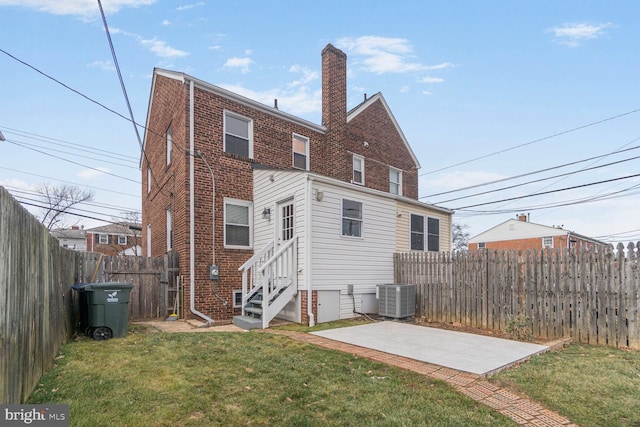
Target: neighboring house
point(520, 234)
point(115, 239)
point(71, 238)
point(266, 209)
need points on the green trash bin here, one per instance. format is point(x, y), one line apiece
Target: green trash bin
point(108, 309)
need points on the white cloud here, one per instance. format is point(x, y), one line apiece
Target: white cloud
point(428, 79)
point(426, 92)
point(104, 65)
point(84, 8)
point(162, 49)
point(93, 173)
point(166, 23)
point(385, 55)
point(190, 6)
point(299, 101)
point(240, 63)
point(307, 75)
point(573, 34)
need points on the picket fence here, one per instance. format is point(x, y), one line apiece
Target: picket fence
point(592, 296)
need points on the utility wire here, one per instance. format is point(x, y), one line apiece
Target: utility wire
point(533, 142)
point(75, 163)
point(70, 182)
point(549, 192)
point(95, 204)
point(497, 181)
point(72, 214)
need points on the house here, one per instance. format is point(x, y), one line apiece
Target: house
point(71, 238)
point(273, 215)
point(121, 238)
point(520, 234)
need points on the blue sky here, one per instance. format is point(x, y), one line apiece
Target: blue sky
point(483, 91)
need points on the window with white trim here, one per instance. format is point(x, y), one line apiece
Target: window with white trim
point(103, 239)
point(238, 135)
point(300, 152)
point(482, 245)
point(433, 234)
point(169, 145)
point(417, 232)
point(169, 230)
point(547, 242)
point(237, 298)
point(122, 240)
point(351, 218)
point(358, 170)
point(395, 181)
point(148, 179)
point(237, 223)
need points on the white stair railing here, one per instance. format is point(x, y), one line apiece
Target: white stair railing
point(252, 280)
point(280, 280)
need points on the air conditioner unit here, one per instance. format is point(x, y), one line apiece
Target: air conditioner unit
point(396, 300)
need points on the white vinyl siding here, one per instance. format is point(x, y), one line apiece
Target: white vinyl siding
point(403, 225)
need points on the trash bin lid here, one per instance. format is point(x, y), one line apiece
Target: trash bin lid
point(80, 286)
point(108, 285)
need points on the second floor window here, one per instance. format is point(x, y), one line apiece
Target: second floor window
point(358, 170)
point(395, 181)
point(300, 152)
point(169, 145)
point(238, 135)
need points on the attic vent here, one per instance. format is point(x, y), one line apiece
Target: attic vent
point(396, 300)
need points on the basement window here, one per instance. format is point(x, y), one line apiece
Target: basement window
point(237, 299)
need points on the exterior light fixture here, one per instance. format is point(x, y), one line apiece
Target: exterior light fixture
point(266, 214)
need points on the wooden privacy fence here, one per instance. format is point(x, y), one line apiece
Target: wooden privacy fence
point(591, 296)
point(154, 280)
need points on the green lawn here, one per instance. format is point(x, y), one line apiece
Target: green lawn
point(258, 379)
point(593, 386)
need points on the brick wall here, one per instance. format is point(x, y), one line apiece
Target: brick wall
point(532, 243)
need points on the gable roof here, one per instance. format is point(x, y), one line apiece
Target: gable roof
point(122, 228)
point(514, 229)
point(370, 101)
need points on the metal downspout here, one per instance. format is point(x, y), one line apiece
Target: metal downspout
point(307, 274)
point(192, 249)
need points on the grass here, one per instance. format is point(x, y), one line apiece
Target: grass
point(258, 379)
point(593, 386)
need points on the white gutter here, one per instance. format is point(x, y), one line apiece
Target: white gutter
point(307, 270)
point(192, 238)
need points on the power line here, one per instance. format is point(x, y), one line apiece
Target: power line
point(533, 142)
point(549, 192)
point(96, 204)
point(72, 214)
point(497, 181)
point(75, 163)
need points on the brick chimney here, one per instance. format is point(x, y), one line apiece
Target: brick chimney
point(522, 217)
point(334, 110)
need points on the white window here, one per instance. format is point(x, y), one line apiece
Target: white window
point(169, 145)
point(482, 245)
point(547, 242)
point(148, 179)
point(433, 234)
point(237, 223)
point(358, 170)
point(421, 236)
point(237, 298)
point(417, 232)
point(169, 230)
point(351, 218)
point(148, 240)
point(300, 152)
point(395, 181)
point(103, 239)
point(238, 135)
point(122, 240)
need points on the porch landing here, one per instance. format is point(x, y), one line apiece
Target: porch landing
point(476, 354)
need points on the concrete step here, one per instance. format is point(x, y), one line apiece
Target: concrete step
point(255, 310)
point(247, 322)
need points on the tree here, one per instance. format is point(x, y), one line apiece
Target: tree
point(58, 200)
point(460, 237)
